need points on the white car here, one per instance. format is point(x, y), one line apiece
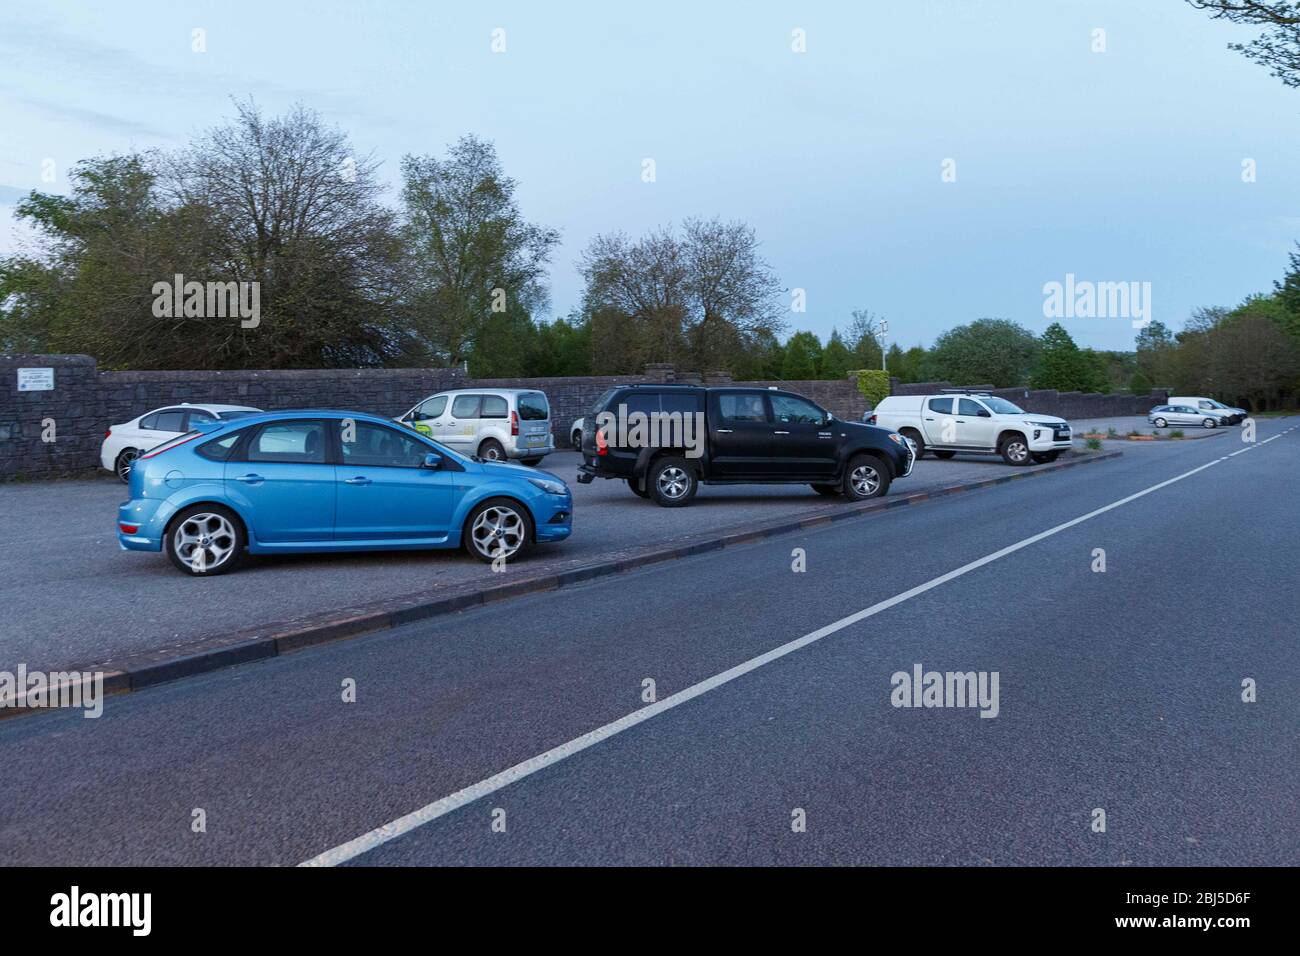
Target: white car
point(124, 443)
point(974, 422)
point(575, 433)
point(493, 423)
point(1209, 407)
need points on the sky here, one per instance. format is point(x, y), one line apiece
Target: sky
point(1122, 165)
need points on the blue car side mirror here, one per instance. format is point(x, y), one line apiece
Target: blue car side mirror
point(433, 461)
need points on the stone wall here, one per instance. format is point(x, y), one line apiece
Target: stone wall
point(1048, 401)
point(85, 401)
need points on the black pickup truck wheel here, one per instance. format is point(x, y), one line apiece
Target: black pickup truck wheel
point(671, 482)
point(866, 477)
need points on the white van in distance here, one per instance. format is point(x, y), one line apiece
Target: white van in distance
point(974, 422)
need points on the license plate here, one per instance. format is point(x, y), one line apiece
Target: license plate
point(534, 441)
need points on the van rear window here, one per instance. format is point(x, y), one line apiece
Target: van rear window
point(533, 407)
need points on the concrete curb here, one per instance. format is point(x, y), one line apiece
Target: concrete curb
point(134, 673)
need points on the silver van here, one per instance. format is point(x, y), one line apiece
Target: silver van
point(493, 423)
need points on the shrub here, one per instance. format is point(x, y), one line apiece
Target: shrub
point(1094, 444)
point(1176, 433)
point(873, 383)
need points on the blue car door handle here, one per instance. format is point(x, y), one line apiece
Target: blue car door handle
point(251, 479)
point(356, 481)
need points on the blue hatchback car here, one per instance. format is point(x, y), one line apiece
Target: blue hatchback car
point(297, 481)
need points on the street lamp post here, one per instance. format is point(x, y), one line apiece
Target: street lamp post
point(884, 327)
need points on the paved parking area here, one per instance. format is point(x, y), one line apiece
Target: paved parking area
point(71, 597)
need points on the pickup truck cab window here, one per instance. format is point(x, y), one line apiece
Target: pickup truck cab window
point(741, 407)
point(787, 409)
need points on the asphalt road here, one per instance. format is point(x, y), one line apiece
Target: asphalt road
point(1119, 691)
point(73, 598)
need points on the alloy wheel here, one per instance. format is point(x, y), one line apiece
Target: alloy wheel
point(673, 482)
point(498, 532)
point(205, 541)
point(865, 480)
point(124, 461)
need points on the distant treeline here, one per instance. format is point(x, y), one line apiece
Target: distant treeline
point(453, 273)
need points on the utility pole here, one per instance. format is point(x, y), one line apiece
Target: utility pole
point(884, 327)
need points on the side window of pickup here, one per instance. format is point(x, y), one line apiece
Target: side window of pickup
point(742, 407)
point(788, 410)
point(941, 406)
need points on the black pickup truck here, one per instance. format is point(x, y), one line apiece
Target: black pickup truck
point(663, 440)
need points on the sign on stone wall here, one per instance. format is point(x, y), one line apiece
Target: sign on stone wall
point(35, 379)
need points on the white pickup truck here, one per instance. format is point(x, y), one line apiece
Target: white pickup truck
point(974, 422)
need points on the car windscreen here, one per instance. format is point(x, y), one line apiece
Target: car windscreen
point(533, 407)
point(239, 413)
point(1000, 406)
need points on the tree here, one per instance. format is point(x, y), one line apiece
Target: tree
point(1096, 371)
point(731, 290)
point(702, 298)
point(288, 205)
point(802, 352)
point(99, 250)
point(836, 358)
point(1154, 357)
point(763, 361)
point(864, 338)
point(1253, 357)
point(1060, 364)
point(469, 254)
point(563, 347)
point(993, 352)
point(910, 366)
point(1278, 48)
point(640, 288)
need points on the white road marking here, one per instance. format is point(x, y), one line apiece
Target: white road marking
point(426, 814)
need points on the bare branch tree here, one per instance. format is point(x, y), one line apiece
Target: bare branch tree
point(1279, 47)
